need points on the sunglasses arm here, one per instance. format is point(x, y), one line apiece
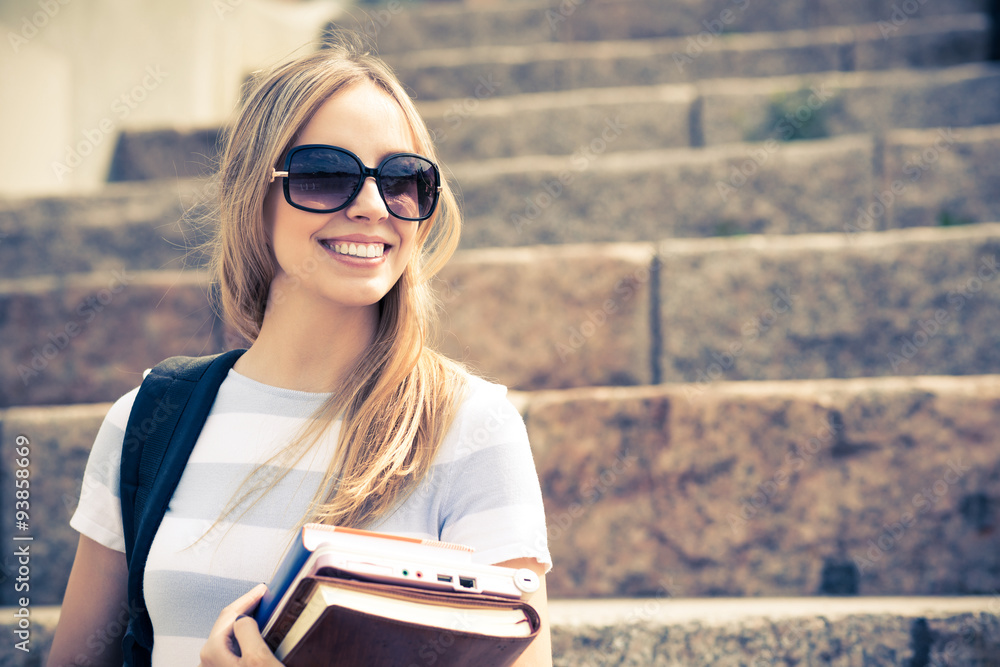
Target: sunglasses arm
point(278, 174)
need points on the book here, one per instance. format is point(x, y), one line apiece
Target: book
point(346, 622)
point(419, 563)
point(372, 598)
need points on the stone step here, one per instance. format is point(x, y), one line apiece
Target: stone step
point(395, 27)
point(488, 71)
point(905, 302)
point(870, 486)
point(711, 112)
point(757, 632)
point(851, 102)
point(141, 225)
point(716, 112)
point(595, 195)
point(88, 337)
point(901, 178)
point(720, 632)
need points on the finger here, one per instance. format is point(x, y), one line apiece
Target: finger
point(240, 605)
point(251, 644)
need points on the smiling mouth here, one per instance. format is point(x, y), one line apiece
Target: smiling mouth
point(356, 249)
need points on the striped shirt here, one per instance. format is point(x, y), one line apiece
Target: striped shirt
point(482, 490)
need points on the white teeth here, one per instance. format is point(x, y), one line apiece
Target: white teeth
point(358, 249)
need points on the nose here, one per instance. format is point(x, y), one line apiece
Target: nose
point(368, 204)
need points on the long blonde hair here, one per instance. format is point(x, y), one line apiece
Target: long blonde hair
point(404, 395)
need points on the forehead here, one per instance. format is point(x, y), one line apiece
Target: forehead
point(365, 120)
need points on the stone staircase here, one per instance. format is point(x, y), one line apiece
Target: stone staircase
point(739, 264)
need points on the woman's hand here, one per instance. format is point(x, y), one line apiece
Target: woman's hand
point(235, 639)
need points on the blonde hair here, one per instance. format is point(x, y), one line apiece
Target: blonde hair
point(403, 395)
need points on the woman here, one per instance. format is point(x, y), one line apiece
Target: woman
point(336, 412)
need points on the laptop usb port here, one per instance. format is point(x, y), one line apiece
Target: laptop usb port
point(445, 578)
point(466, 582)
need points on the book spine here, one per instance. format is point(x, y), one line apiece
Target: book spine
point(294, 559)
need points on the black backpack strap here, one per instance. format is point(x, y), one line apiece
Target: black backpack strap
point(167, 416)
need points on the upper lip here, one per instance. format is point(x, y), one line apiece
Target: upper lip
point(355, 238)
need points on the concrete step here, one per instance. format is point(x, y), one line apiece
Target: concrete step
point(488, 71)
point(870, 486)
point(396, 28)
point(721, 632)
point(905, 302)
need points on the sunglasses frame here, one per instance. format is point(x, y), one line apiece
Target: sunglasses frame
point(366, 172)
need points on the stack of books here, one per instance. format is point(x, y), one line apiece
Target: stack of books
point(351, 597)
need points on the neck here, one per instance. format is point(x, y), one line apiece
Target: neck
point(308, 346)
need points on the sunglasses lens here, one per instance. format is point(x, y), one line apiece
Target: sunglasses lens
point(409, 186)
point(322, 179)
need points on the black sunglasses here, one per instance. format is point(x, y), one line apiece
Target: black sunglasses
point(324, 179)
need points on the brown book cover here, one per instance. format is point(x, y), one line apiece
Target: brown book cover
point(348, 622)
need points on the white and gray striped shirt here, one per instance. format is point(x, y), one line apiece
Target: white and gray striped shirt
point(482, 491)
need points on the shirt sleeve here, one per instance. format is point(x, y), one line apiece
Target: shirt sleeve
point(98, 514)
point(493, 501)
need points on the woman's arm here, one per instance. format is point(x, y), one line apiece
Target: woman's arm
point(539, 651)
point(95, 611)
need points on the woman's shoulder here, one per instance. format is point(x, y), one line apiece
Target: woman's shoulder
point(485, 417)
point(120, 410)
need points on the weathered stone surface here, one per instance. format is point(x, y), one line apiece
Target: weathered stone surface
point(59, 444)
point(942, 177)
point(742, 489)
point(164, 154)
point(480, 128)
point(133, 225)
point(396, 30)
point(962, 632)
point(813, 631)
point(88, 337)
point(905, 302)
point(871, 486)
point(458, 73)
point(648, 195)
point(843, 103)
point(940, 41)
point(551, 317)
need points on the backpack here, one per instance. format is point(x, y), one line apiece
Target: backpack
point(168, 414)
